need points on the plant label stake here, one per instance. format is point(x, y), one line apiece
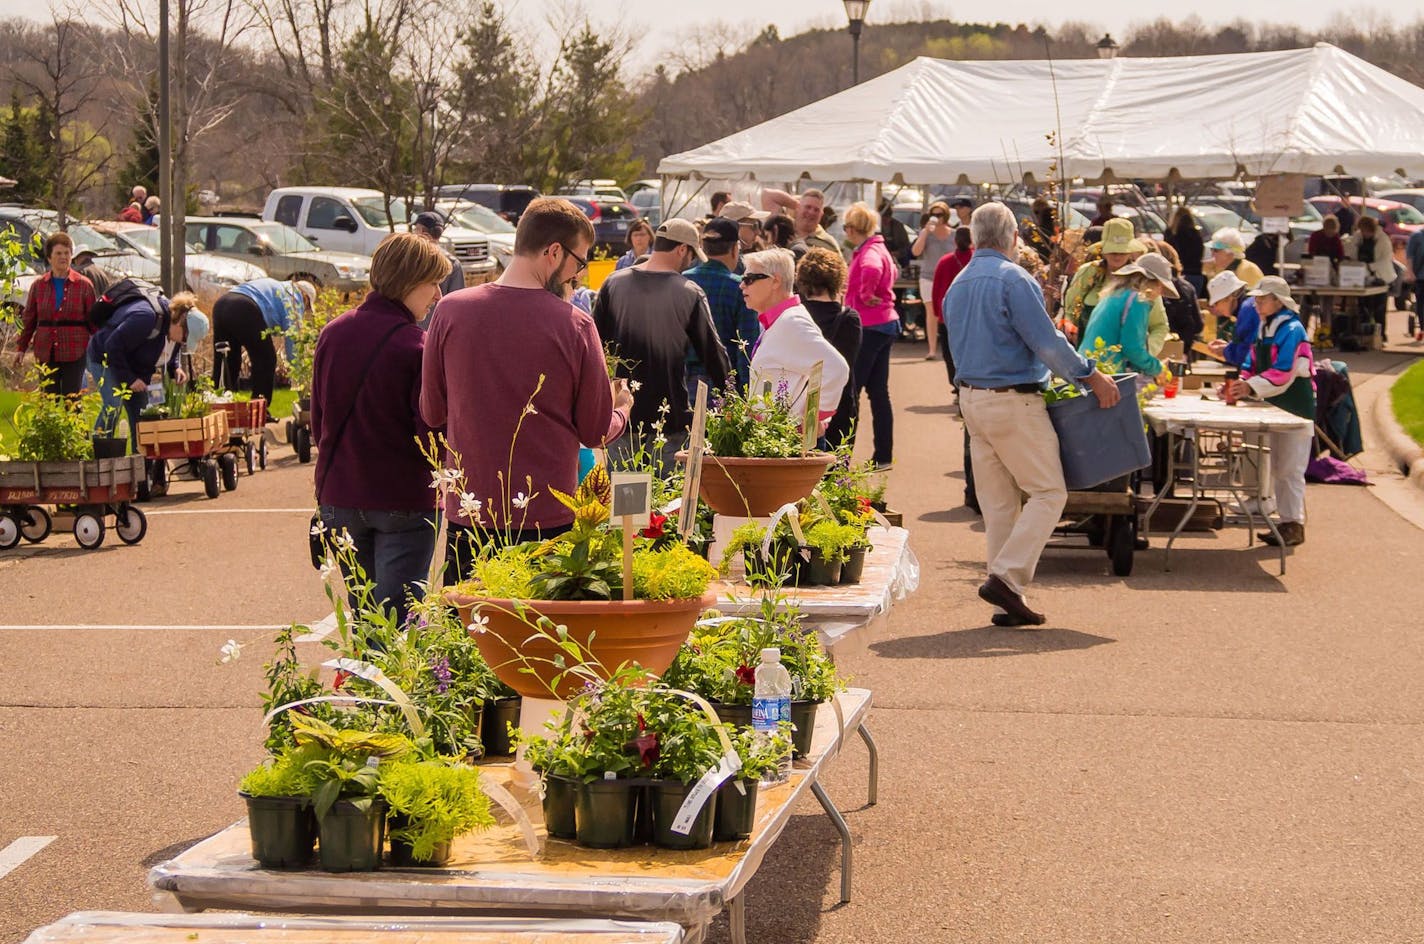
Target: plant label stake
point(633, 503)
point(811, 422)
point(692, 481)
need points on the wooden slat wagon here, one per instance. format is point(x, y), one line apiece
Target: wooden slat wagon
point(199, 443)
point(89, 492)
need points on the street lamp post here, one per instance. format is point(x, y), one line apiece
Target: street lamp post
point(855, 12)
point(1107, 47)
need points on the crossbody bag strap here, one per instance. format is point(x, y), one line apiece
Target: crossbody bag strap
point(360, 386)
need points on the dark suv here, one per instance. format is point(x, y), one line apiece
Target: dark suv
point(610, 217)
point(508, 201)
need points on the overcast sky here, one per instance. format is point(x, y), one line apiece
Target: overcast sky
point(662, 24)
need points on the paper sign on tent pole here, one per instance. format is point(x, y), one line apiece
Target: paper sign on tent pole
point(696, 444)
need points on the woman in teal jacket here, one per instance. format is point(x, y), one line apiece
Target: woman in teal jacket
point(1120, 317)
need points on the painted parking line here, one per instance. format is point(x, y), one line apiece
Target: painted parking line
point(14, 855)
point(225, 627)
point(228, 511)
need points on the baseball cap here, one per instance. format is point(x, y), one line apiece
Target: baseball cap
point(738, 211)
point(432, 222)
point(720, 228)
point(682, 231)
point(962, 202)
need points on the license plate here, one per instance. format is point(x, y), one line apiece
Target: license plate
point(620, 227)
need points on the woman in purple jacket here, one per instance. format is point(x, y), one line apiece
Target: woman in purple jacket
point(372, 482)
point(870, 290)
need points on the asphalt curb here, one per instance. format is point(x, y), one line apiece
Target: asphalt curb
point(1406, 454)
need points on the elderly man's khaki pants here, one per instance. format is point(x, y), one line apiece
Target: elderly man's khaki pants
point(1015, 453)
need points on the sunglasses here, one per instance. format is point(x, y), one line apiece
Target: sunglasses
point(582, 261)
point(752, 278)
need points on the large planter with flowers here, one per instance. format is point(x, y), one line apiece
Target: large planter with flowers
point(753, 488)
point(612, 632)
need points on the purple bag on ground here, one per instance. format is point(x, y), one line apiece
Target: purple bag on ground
point(1327, 470)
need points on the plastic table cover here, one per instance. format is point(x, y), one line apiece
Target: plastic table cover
point(112, 927)
point(491, 873)
point(848, 613)
point(1188, 411)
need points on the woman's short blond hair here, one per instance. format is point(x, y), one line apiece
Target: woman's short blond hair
point(862, 219)
point(403, 262)
point(821, 271)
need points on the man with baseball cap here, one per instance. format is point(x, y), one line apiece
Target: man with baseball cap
point(737, 325)
point(650, 314)
point(748, 222)
point(431, 225)
point(1280, 369)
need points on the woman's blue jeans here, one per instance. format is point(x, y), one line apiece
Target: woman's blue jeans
point(393, 550)
point(872, 374)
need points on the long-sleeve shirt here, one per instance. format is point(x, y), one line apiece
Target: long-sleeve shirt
point(650, 317)
point(1087, 287)
point(1243, 335)
point(281, 303)
point(492, 352)
point(1291, 357)
point(737, 325)
point(1190, 248)
point(1322, 243)
point(376, 463)
point(790, 346)
point(1377, 254)
point(999, 330)
point(945, 272)
point(58, 329)
point(132, 342)
point(1120, 318)
point(872, 275)
point(1414, 252)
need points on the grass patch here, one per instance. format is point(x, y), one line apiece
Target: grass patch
point(1407, 397)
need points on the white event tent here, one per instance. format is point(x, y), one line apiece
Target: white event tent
point(1310, 111)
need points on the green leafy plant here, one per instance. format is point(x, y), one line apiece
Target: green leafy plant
point(304, 333)
point(438, 800)
point(754, 426)
point(347, 765)
point(672, 574)
point(834, 541)
point(285, 775)
point(51, 428)
point(759, 756)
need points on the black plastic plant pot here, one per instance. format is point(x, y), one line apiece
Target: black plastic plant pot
point(605, 814)
point(110, 447)
point(736, 811)
point(854, 567)
point(803, 716)
point(820, 572)
point(283, 831)
point(560, 798)
point(403, 856)
point(498, 715)
point(351, 839)
point(668, 797)
point(738, 716)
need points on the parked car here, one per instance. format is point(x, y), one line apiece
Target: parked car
point(1398, 220)
point(1144, 221)
point(1413, 197)
point(481, 219)
point(280, 251)
point(1023, 212)
point(603, 189)
point(649, 204)
point(207, 275)
point(610, 218)
point(1306, 223)
point(508, 201)
point(33, 225)
point(350, 219)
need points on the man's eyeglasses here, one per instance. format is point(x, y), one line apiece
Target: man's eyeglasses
point(582, 261)
point(752, 278)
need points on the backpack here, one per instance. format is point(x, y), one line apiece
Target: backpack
point(121, 293)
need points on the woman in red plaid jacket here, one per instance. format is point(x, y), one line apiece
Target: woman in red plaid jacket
point(56, 319)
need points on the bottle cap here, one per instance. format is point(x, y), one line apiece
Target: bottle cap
point(771, 654)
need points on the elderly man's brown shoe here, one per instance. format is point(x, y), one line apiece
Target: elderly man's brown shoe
point(997, 593)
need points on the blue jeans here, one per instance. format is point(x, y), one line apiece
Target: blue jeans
point(872, 375)
point(393, 548)
point(115, 403)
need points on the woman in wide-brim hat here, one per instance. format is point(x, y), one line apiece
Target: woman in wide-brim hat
point(1120, 318)
point(1117, 249)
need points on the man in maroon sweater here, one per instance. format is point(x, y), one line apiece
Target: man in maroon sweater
point(517, 377)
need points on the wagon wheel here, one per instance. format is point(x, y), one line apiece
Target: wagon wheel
point(1122, 542)
point(290, 428)
point(35, 524)
point(250, 455)
point(130, 524)
point(209, 471)
point(227, 464)
point(262, 453)
point(302, 435)
point(9, 532)
point(89, 530)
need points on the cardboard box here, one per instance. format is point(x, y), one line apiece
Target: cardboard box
point(1352, 274)
point(1316, 271)
point(1172, 350)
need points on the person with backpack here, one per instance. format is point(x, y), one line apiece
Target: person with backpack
point(139, 331)
point(241, 321)
point(55, 320)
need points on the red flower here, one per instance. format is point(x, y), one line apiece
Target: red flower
point(746, 675)
point(657, 526)
point(864, 504)
point(340, 680)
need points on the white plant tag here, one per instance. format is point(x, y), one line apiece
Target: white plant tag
point(698, 796)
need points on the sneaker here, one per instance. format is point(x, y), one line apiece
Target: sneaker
point(1292, 535)
point(882, 466)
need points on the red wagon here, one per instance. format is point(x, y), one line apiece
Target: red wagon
point(91, 493)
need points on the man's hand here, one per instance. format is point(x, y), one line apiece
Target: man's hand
point(1217, 346)
point(138, 386)
point(622, 396)
point(1240, 389)
point(181, 376)
point(1103, 388)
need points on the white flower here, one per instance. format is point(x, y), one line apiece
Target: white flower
point(520, 501)
point(344, 542)
point(529, 410)
point(231, 651)
point(665, 408)
point(635, 385)
point(470, 505)
point(479, 624)
point(445, 478)
point(327, 569)
point(318, 530)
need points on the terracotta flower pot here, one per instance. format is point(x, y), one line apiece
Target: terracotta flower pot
point(753, 488)
point(648, 632)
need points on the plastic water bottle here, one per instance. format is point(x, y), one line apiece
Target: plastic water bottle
point(771, 705)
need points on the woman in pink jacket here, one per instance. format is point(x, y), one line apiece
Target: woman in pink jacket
point(870, 290)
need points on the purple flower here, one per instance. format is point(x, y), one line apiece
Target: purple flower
point(441, 670)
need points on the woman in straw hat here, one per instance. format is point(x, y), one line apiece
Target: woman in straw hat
point(1116, 250)
point(1120, 317)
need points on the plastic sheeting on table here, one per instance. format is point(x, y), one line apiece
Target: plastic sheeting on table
point(490, 873)
point(1186, 412)
point(846, 613)
point(114, 927)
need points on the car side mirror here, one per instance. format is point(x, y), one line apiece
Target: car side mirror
point(258, 250)
point(344, 223)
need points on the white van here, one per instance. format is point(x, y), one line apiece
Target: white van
point(356, 220)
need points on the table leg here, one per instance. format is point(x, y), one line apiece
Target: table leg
point(839, 822)
point(737, 918)
point(874, 789)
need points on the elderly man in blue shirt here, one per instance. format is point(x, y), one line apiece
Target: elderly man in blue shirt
point(1005, 350)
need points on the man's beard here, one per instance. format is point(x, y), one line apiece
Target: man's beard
point(555, 285)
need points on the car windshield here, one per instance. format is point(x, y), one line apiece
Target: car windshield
point(1407, 215)
point(373, 211)
point(282, 238)
point(85, 236)
point(481, 219)
point(143, 238)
